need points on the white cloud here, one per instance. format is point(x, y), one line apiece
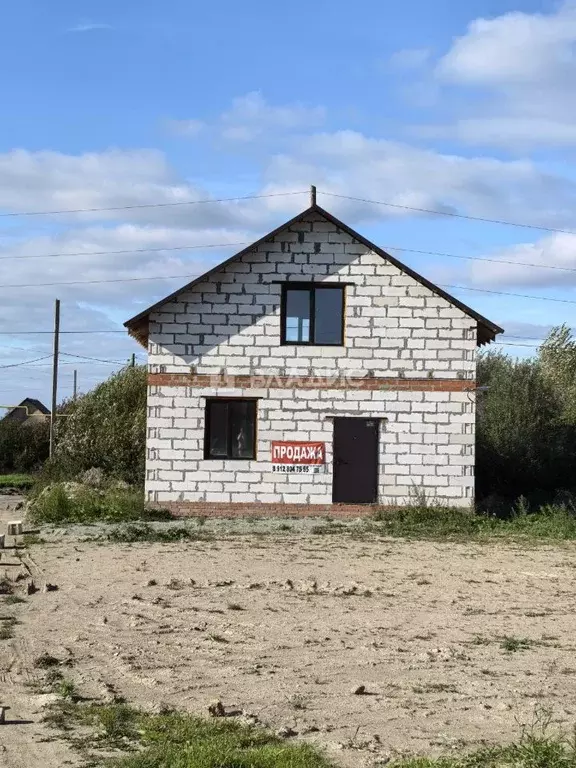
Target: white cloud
point(251, 116)
point(349, 163)
point(516, 48)
point(515, 132)
point(522, 67)
point(555, 250)
point(125, 179)
point(88, 26)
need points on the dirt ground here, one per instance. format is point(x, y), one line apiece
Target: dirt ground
point(287, 626)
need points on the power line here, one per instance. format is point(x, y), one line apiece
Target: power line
point(506, 293)
point(452, 214)
point(25, 333)
point(94, 359)
point(116, 253)
point(481, 258)
point(26, 362)
point(153, 205)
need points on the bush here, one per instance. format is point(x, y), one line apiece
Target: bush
point(23, 447)
point(104, 428)
point(73, 503)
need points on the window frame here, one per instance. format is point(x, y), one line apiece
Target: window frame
point(207, 428)
point(312, 288)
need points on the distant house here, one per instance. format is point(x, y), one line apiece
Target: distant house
point(29, 410)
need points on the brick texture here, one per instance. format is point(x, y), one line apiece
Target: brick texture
point(409, 359)
point(309, 382)
point(200, 509)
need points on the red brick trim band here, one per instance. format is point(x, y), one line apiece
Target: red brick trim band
point(259, 509)
point(308, 382)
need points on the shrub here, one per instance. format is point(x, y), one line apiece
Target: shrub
point(73, 503)
point(23, 447)
point(104, 428)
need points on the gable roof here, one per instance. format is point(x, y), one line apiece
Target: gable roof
point(487, 330)
point(29, 402)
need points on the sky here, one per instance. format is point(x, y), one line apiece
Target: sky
point(465, 111)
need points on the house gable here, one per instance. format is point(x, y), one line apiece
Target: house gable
point(138, 326)
point(228, 320)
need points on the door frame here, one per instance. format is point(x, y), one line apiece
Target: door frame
point(378, 420)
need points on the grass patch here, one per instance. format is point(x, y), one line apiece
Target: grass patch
point(64, 503)
point(531, 752)
point(13, 600)
point(173, 740)
point(22, 482)
point(135, 532)
point(555, 522)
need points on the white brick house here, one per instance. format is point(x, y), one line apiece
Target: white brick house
point(316, 346)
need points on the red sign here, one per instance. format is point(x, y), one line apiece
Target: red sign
point(293, 452)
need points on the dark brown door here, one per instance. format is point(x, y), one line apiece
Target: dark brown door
point(355, 471)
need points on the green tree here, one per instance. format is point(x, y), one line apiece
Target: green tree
point(23, 446)
point(105, 428)
point(558, 360)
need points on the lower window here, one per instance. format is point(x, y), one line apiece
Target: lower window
point(230, 429)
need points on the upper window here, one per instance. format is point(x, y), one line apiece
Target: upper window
point(312, 314)
point(230, 429)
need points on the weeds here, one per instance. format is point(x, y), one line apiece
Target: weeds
point(512, 644)
point(135, 532)
point(553, 521)
point(13, 599)
point(218, 638)
point(7, 631)
point(67, 690)
point(64, 503)
point(45, 661)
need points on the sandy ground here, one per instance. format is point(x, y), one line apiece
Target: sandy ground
point(286, 626)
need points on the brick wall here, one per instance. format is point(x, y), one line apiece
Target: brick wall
point(426, 444)
point(394, 325)
point(396, 331)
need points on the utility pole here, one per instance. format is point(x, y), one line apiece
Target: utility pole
point(75, 383)
point(133, 360)
point(55, 372)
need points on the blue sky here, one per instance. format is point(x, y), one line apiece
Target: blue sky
point(461, 107)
